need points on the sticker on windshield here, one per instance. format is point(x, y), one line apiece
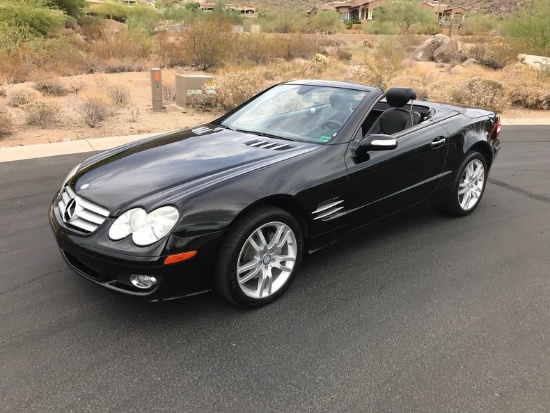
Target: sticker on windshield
point(325, 139)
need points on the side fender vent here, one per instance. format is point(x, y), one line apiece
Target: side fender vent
point(329, 209)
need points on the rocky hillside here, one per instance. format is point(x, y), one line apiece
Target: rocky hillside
point(497, 7)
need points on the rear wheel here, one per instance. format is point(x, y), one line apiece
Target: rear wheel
point(468, 186)
point(259, 257)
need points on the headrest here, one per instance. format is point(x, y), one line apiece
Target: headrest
point(399, 96)
point(339, 99)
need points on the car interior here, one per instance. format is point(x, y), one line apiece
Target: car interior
point(394, 114)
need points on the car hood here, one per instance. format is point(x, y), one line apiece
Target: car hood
point(176, 163)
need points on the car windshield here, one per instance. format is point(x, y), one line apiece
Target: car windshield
point(303, 113)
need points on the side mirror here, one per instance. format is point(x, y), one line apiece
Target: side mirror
point(377, 142)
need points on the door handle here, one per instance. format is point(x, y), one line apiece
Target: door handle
point(437, 142)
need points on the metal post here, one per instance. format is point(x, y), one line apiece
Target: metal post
point(156, 89)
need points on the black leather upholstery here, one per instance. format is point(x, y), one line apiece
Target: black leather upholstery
point(397, 118)
point(340, 107)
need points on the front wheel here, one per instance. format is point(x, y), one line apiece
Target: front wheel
point(259, 257)
point(468, 186)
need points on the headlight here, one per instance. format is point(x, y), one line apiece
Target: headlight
point(145, 228)
point(70, 175)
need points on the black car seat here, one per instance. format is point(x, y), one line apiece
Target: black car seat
point(340, 107)
point(396, 118)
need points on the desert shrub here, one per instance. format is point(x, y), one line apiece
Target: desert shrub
point(169, 52)
point(484, 93)
point(208, 43)
point(169, 92)
point(235, 88)
point(476, 24)
point(76, 86)
point(384, 64)
point(344, 54)
point(491, 53)
point(41, 113)
point(91, 28)
point(2, 92)
point(119, 95)
point(22, 96)
point(383, 28)
point(531, 97)
point(51, 87)
point(295, 46)
point(93, 109)
point(134, 113)
point(123, 47)
point(6, 125)
point(526, 88)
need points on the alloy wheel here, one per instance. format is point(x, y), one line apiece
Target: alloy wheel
point(266, 260)
point(471, 185)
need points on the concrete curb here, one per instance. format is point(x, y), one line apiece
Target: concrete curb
point(18, 153)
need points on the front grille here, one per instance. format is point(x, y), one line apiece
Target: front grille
point(268, 145)
point(79, 213)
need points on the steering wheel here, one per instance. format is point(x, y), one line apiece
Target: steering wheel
point(332, 124)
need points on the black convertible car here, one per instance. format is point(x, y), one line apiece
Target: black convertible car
point(234, 205)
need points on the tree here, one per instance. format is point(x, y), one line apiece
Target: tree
point(405, 14)
point(328, 21)
point(531, 27)
point(71, 7)
point(285, 21)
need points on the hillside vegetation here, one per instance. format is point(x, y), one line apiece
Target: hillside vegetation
point(48, 49)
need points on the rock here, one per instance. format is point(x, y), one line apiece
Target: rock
point(456, 70)
point(447, 52)
point(440, 48)
point(469, 62)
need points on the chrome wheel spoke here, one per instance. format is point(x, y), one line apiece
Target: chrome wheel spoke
point(247, 267)
point(276, 237)
point(253, 274)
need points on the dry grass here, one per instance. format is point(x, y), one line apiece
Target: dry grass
point(22, 96)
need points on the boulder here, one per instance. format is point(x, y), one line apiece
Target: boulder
point(440, 48)
point(456, 70)
point(469, 62)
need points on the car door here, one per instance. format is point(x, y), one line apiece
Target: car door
point(381, 183)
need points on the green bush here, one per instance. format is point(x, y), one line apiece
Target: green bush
point(24, 20)
point(531, 27)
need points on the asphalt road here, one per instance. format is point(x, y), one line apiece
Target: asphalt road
point(430, 314)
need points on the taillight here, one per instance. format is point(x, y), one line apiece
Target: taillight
point(495, 133)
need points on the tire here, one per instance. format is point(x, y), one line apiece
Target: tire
point(267, 266)
point(468, 186)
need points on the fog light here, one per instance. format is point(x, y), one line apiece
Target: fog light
point(143, 281)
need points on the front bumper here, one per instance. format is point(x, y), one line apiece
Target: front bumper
point(112, 269)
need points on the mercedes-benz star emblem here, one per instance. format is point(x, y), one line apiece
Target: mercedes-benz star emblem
point(70, 211)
